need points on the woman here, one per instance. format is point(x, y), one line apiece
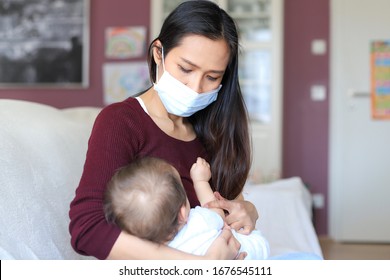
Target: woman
point(195, 109)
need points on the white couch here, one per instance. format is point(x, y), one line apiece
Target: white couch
point(42, 154)
point(42, 151)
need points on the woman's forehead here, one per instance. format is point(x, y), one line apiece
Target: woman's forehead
point(203, 52)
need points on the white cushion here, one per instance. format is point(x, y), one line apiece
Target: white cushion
point(42, 156)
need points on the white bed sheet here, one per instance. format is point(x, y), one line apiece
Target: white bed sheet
point(285, 213)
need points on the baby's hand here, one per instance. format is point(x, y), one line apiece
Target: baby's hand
point(200, 170)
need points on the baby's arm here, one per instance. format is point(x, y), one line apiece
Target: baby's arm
point(201, 174)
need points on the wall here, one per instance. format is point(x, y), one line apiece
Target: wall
point(305, 129)
point(102, 14)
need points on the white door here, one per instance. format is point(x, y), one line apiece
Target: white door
point(360, 146)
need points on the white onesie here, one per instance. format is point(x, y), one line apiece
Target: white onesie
point(204, 226)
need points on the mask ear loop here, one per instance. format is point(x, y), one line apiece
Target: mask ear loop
point(162, 58)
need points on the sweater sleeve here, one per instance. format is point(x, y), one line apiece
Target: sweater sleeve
point(113, 143)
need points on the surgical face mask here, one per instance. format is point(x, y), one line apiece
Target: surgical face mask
point(179, 99)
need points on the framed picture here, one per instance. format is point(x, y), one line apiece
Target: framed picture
point(122, 80)
point(44, 43)
point(380, 79)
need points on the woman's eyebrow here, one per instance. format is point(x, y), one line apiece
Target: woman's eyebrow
point(196, 66)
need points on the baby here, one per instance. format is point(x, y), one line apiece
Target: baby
point(147, 199)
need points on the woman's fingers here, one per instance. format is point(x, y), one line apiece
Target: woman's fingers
point(240, 216)
point(232, 241)
point(225, 247)
point(243, 229)
point(234, 244)
point(241, 256)
point(220, 203)
point(218, 196)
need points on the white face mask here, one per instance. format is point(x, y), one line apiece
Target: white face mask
point(179, 99)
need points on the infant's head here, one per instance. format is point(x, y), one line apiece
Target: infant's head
point(145, 199)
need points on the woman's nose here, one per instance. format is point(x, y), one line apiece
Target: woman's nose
point(195, 84)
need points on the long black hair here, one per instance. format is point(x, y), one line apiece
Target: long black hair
point(223, 125)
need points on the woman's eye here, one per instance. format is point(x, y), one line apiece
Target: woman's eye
point(212, 78)
point(184, 70)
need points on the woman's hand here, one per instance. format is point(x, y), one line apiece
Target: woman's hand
point(242, 215)
point(225, 247)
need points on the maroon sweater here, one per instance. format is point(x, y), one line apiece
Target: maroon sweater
point(121, 133)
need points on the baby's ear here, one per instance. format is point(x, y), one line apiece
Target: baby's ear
point(183, 215)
